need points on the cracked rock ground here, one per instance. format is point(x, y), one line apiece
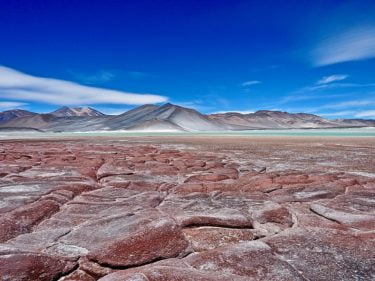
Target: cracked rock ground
point(187, 209)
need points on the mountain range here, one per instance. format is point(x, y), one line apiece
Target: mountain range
point(167, 117)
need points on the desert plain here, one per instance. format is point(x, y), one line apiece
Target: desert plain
point(187, 208)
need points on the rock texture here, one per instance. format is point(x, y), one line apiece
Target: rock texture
point(113, 210)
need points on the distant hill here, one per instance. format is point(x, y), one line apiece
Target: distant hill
point(169, 117)
point(267, 119)
point(8, 115)
point(181, 118)
point(76, 111)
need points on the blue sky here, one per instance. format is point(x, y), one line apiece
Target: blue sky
point(213, 55)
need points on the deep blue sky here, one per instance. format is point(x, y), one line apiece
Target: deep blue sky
point(213, 55)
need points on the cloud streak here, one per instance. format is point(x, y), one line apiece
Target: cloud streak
point(352, 45)
point(15, 85)
point(349, 104)
point(250, 83)
point(5, 105)
point(337, 114)
point(331, 78)
point(101, 76)
point(310, 92)
point(366, 114)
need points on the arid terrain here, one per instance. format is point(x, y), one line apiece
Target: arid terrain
point(187, 208)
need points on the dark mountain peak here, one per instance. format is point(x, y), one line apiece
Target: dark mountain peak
point(8, 115)
point(170, 105)
point(17, 110)
point(229, 113)
point(276, 113)
point(66, 111)
point(270, 113)
point(175, 107)
point(147, 106)
point(140, 109)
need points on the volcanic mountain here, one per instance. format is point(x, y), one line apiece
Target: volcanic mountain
point(165, 117)
point(170, 117)
point(76, 111)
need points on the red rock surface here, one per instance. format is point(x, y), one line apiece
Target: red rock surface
point(113, 210)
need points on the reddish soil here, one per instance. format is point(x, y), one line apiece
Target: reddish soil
point(191, 208)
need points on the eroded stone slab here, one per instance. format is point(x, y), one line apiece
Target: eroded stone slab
point(114, 210)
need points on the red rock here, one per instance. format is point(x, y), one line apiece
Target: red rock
point(274, 214)
point(124, 240)
point(292, 179)
point(201, 210)
point(208, 238)
point(78, 275)
point(326, 254)
point(25, 267)
point(221, 186)
point(250, 182)
point(139, 220)
point(306, 194)
point(23, 219)
point(207, 177)
point(253, 260)
point(163, 170)
point(350, 210)
point(231, 173)
point(189, 163)
point(213, 164)
point(169, 273)
point(114, 168)
point(94, 269)
point(143, 186)
point(306, 218)
point(101, 203)
point(37, 241)
point(12, 169)
point(187, 188)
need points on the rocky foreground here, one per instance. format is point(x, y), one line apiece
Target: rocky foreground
point(123, 210)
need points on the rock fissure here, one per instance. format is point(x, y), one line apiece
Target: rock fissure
point(166, 212)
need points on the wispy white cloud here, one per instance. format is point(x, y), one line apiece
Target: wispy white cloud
point(250, 83)
point(103, 76)
point(195, 104)
point(351, 45)
point(350, 104)
point(332, 78)
point(337, 113)
point(98, 77)
point(15, 85)
point(327, 86)
point(366, 114)
point(299, 97)
point(316, 91)
point(5, 105)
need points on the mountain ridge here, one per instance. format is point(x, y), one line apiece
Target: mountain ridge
point(171, 117)
point(8, 115)
point(66, 111)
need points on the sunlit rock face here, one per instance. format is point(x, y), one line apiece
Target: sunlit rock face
point(127, 210)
